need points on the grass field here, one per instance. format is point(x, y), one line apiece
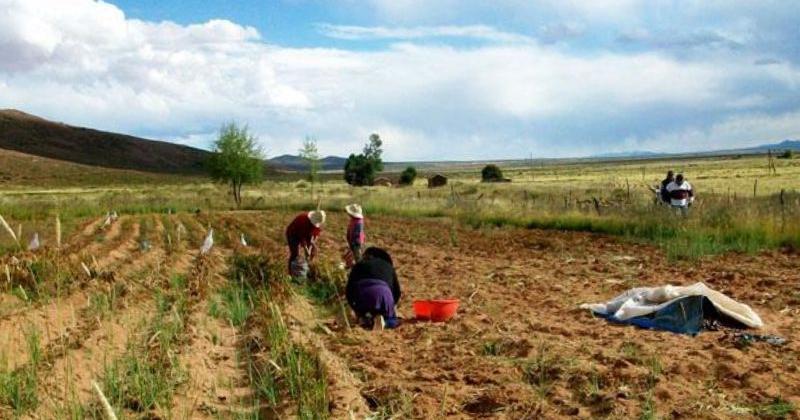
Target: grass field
point(740, 206)
point(168, 333)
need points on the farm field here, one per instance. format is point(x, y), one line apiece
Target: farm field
point(399, 209)
point(168, 333)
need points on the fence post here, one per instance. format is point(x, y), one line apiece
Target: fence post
point(755, 188)
point(783, 210)
point(628, 185)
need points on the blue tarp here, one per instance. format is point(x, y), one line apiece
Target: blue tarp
point(684, 316)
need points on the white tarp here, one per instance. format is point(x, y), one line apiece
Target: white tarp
point(646, 300)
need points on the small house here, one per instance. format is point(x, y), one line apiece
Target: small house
point(437, 180)
point(382, 182)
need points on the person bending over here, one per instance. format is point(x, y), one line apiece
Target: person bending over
point(373, 289)
point(302, 233)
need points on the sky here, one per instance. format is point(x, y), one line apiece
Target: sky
point(437, 79)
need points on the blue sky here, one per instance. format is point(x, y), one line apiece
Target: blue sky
point(438, 79)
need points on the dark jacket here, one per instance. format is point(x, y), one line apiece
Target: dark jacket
point(664, 192)
point(372, 269)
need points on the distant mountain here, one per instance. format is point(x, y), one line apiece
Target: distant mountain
point(634, 153)
point(784, 145)
point(296, 163)
point(36, 136)
point(764, 148)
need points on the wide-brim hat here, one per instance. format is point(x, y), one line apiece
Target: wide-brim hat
point(354, 210)
point(317, 217)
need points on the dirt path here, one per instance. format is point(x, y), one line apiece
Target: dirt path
point(217, 385)
point(344, 389)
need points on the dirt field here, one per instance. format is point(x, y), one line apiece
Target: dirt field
point(518, 348)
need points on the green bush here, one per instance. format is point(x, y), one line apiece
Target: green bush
point(360, 169)
point(408, 176)
point(491, 173)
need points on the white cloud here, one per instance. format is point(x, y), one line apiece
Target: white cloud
point(438, 10)
point(736, 131)
point(84, 62)
point(482, 32)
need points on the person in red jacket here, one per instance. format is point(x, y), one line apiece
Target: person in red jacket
point(302, 233)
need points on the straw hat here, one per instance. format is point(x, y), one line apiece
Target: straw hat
point(317, 217)
point(354, 210)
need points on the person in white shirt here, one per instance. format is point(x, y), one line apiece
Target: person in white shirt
point(681, 194)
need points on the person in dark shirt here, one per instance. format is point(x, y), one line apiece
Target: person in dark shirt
point(681, 194)
point(373, 289)
point(668, 180)
point(302, 233)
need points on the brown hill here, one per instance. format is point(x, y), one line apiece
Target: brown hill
point(36, 136)
point(20, 169)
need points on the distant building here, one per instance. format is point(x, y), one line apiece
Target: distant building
point(437, 180)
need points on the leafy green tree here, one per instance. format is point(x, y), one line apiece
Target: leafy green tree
point(491, 173)
point(310, 155)
point(236, 159)
point(408, 176)
point(373, 151)
point(360, 169)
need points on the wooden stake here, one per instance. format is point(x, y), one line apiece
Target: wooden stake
point(628, 185)
point(106, 406)
point(275, 365)
point(58, 231)
point(86, 269)
point(783, 210)
point(344, 316)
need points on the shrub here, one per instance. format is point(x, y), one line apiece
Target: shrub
point(787, 154)
point(491, 173)
point(408, 176)
point(360, 169)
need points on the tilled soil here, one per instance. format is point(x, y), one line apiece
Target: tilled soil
point(519, 346)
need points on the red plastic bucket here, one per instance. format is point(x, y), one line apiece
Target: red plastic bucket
point(436, 310)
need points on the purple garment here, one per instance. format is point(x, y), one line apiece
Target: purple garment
point(374, 297)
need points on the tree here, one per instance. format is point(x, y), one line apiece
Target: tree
point(360, 169)
point(236, 159)
point(787, 154)
point(491, 173)
point(408, 176)
point(373, 151)
point(310, 155)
